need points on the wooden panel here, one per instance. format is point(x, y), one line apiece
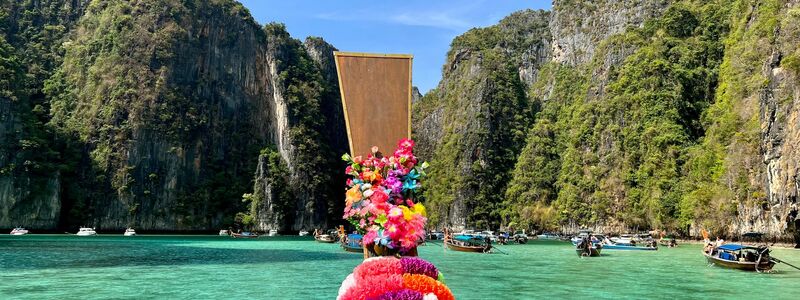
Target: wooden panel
point(376, 96)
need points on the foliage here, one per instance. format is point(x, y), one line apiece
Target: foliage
point(536, 172)
point(276, 182)
point(137, 110)
point(481, 141)
point(305, 92)
point(9, 71)
point(722, 171)
point(31, 34)
point(623, 162)
point(621, 146)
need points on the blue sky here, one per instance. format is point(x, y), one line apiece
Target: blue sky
point(422, 28)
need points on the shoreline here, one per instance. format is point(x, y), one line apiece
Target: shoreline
point(781, 245)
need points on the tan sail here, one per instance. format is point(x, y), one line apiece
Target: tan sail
point(376, 96)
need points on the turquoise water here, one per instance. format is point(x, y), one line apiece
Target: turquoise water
point(211, 267)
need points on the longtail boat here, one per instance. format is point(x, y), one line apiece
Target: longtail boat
point(668, 242)
point(740, 257)
point(587, 247)
point(245, 235)
point(467, 243)
point(626, 247)
point(592, 251)
point(648, 246)
point(353, 243)
point(325, 238)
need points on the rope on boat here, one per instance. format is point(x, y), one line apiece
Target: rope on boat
point(498, 249)
point(783, 262)
point(437, 244)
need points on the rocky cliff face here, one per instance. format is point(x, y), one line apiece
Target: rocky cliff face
point(649, 115)
point(471, 125)
point(291, 194)
point(159, 111)
point(522, 39)
point(30, 179)
point(174, 128)
point(772, 159)
point(622, 136)
point(578, 27)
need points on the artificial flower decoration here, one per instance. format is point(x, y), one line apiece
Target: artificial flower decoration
point(380, 196)
point(390, 278)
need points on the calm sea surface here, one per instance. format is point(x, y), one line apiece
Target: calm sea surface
point(211, 267)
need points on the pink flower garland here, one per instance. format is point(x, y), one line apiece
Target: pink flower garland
point(393, 278)
point(380, 197)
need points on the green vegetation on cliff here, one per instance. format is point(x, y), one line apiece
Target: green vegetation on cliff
point(481, 136)
point(625, 144)
point(657, 130)
point(122, 81)
point(725, 170)
point(306, 91)
point(32, 155)
point(151, 113)
point(9, 71)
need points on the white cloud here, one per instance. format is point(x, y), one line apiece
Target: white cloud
point(436, 20)
point(452, 17)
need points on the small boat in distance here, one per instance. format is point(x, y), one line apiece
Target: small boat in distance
point(584, 233)
point(224, 232)
point(272, 232)
point(520, 237)
point(435, 235)
point(624, 239)
point(487, 233)
point(86, 231)
point(303, 233)
point(548, 236)
point(668, 241)
point(352, 243)
point(329, 237)
point(245, 235)
point(591, 251)
point(129, 232)
point(19, 231)
point(587, 247)
point(608, 244)
point(469, 232)
point(325, 238)
point(468, 243)
point(740, 257)
point(588, 244)
point(596, 239)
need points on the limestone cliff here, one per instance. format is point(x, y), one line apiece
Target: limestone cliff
point(779, 116)
point(578, 27)
point(292, 193)
point(472, 124)
point(759, 165)
point(157, 115)
point(31, 33)
point(673, 115)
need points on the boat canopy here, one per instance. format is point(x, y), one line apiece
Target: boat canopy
point(734, 247)
point(354, 236)
point(466, 238)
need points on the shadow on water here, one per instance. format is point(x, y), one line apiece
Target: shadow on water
point(111, 252)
